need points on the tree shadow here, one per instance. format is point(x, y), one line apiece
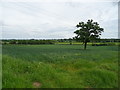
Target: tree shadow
point(82, 49)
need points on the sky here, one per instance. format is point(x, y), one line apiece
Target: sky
point(55, 19)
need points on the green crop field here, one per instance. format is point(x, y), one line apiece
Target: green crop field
point(59, 66)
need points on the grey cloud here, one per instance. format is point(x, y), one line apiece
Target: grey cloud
point(56, 20)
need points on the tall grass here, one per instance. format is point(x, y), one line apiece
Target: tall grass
point(60, 66)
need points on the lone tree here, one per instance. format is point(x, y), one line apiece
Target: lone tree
point(88, 31)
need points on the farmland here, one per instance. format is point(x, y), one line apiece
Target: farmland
point(59, 66)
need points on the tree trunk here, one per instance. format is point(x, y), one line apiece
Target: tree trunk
point(85, 45)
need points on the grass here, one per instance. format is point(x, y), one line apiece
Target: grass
point(89, 43)
point(0, 66)
point(60, 66)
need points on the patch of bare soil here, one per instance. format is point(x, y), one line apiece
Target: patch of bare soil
point(37, 84)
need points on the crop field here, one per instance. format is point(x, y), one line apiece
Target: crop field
point(59, 66)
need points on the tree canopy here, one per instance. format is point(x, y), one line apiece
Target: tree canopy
point(88, 31)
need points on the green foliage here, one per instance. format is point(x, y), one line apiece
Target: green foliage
point(56, 41)
point(88, 31)
point(30, 42)
point(60, 66)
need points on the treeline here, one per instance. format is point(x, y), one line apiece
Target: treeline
point(107, 40)
point(98, 40)
point(31, 42)
point(53, 41)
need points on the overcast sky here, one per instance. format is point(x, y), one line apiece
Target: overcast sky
point(35, 19)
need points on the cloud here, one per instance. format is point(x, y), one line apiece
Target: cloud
point(56, 20)
point(60, 0)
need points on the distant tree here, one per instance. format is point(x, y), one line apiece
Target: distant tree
point(88, 31)
point(70, 41)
